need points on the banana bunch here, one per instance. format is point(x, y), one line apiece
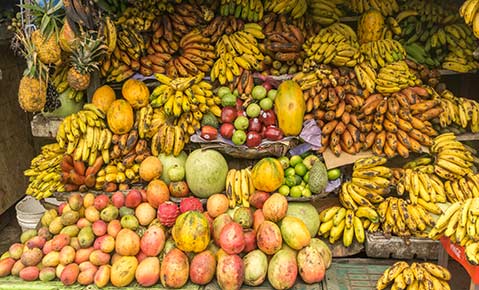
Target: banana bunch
point(366, 76)
point(386, 7)
point(458, 222)
point(282, 46)
point(250, 10)
point(140, 16)
point(44, 173)
point(436, 12)
point(383, 52)
point(370, 181)
point(187, 94)
point(460, 61)
point(416, 276)
point(116, 176)
point(129, 148)
point(170, 139)
point(331, 47)
point(149, 121)
point(344, 29)
point(324, 12)
point(332, 98)
point(395, 76)
point(468, 11)
point(424, 187)
point(461, 111)
point(222, 25)
point(337, 222)
point(463, 188)
point(76, 175)
point(295, 8)
point(403, 219)
point(237, 50)
point(85, 135)
point(244, 83)
point(430, 77)
point(398, 124)
point(453, 159)
point(239, 187)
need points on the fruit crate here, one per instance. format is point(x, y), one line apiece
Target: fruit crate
point(354, 274)
point(379, 246)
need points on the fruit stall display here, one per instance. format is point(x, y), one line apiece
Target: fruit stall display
point(153, 95)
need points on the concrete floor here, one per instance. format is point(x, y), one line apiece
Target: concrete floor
point(10, 233)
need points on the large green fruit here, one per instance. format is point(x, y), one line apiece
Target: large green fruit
point(169, 161)
point(295, 233)
point(206, 172)
point(318, 177)
point(307, 213)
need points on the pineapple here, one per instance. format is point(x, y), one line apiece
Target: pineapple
point(84, 60)
point(49, 18)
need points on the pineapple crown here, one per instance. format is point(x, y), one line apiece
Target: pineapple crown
point(87, 55)
point(47, 17)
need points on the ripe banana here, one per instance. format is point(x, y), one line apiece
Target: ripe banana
point(239, 187)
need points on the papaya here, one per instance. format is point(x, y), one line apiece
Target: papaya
point(120, 117)
point(370, 26)
point(289, 106)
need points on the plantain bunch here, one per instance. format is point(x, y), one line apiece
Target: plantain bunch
point(222, 25)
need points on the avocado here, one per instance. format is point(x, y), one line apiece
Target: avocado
point(210, 120)
point(318, 177)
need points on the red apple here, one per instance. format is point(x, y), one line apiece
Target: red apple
point(209, 133)
point(273, 133)
point(227, 130)
point(241, 113)
point(118, 199)
point(253, 139)
point(133, 198)
point(228, 115)
point(255, 125)
point(101, 201)
point(267, 118)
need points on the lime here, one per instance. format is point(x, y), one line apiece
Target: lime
point(266, 104)
point(295, 159)
point(296, 191)
point(223, 91)
point(306, 192)
point(284, 161)
point(289, 172)
point(298, 179)
point(272, 94)
point(228, 100)
point(306, 177)
point(334, 174)
point(300, 169)
point(284, 190)
point(290, 180)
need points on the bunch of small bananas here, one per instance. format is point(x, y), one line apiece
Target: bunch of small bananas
point(129, 148)
point(239, 187)
point(463, 188)
point(222, 25)
point(424, 187)
point(237, 50)
point(386, 7)
point(296, 8)
point(417, 276)
point(244, 83)
point(366, 75)
point(403, 219)
point(337, 222)
point(170, 139)
point(468, 11)
point(395, 76)
point(383, 52)
point(116, 176)
point(85, 135)
point(461, 111)
point(324, 12)
point(76, 176)
point(180, 95)
point(460, 61)
point(453, 159)
point(370, 181)
point(44, 173)
point(433, 11)
point(398, 124)
point(331, 47)
point(458, 222)
point(251, 10)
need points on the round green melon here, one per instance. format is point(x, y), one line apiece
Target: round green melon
point(307, 213)
point(206, 172)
